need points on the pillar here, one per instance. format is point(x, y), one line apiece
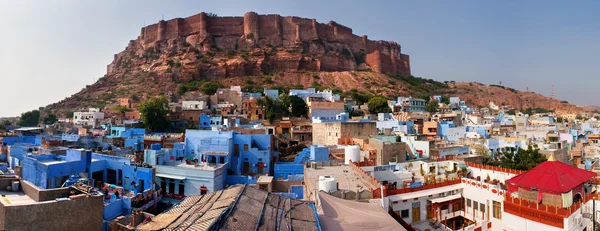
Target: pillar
point(314, 29)
point(251, 25)
point(162, 30)
point(203, 29)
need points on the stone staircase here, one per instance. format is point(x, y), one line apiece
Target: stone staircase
point(589, 216)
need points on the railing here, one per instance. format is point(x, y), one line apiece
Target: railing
point(494, 168)
point(545, 214)
point(424, 187)
point(365, 176)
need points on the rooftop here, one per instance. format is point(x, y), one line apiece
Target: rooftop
point(200, 166)
point(239, 207)
point(346, 176)
point(15, 198)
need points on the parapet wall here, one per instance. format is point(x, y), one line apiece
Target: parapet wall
point(275, 30)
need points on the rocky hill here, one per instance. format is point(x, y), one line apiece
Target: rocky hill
point(258, 51)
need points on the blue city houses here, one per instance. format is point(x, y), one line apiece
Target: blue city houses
point(213, 160)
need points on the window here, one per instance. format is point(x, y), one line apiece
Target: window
point(482, 207)
point(475, 205)
point(445, 207)
point(469, 203)
point(404, 213)
point(245, 147)
point(497, 210)
point(236, 150)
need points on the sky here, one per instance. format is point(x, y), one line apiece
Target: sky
point(50, 50)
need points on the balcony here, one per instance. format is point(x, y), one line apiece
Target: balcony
point(545, 214)
point(389, 192)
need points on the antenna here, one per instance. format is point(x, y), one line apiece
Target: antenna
point(163, 17)
point(553, 92)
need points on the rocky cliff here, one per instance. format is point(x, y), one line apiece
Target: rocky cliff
point(266, 51)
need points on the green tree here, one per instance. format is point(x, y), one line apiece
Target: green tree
point(559, 120)
point(155, 114)
point(446, 100)
point(579, 117)
point(359, 97)
point(298, 106)
point(121, 109)
point(511, 112)
point(2, 127)
point(432, 106)
point(29, 119)
point(50, 119)
point(210, 88)
point(69, 114)
point(521, 159)
point(378, 104)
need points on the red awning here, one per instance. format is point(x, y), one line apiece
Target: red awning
point(552, 176)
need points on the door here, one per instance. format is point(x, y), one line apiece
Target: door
point(260, 166)
point(416, 212)
point(246, 167)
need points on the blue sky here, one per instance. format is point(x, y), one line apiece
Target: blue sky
point(51, 49)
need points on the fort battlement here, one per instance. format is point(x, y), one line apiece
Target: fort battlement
point(276, 30)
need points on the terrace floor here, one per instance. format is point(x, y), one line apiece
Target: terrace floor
point(15, 198)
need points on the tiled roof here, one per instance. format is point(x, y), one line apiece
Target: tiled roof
point(239, 207)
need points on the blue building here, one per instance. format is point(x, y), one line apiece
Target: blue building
point(211, 160)
point(49, 171)
point(386, 121)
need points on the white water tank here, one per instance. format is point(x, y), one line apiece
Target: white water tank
point(328, 184)
point(352, 153)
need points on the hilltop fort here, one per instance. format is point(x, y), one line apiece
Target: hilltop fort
point(329, 47)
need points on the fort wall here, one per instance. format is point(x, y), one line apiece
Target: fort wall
point(382, 56)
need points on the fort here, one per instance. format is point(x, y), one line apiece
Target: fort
point(253, 30)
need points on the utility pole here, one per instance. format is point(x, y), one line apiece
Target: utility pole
point(594, 213)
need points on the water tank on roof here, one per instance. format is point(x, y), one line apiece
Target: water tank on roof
point(352, 153)
point(328, 184)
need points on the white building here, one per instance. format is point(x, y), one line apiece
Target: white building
point(193, 105)
point(89, 118)
point(468, 196)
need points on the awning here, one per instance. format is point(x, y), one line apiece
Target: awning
point(446, 198)
point(170, 176)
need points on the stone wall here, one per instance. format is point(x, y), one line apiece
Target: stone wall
point(275, 30)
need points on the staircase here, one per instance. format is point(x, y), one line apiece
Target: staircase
point(589, 216)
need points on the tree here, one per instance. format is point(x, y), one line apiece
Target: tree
point(29, 119)
point(446, 100)
point(559, 120)
point(210, 88)
point(358, 96)
point(511, 112)
point(69, 114)
point(298, 105)
point(50, 119)
point(378, 104)
point(121, 109)
point(521, 159)
point(432, 106)
point(155, 114)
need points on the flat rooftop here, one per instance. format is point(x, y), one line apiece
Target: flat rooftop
point(15, 198)
point(200, 166)
point(347, 178)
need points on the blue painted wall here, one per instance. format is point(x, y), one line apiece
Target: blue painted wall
point(284, 170)
point(321, 154)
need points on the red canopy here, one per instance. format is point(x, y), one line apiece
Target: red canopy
point(552, 176)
